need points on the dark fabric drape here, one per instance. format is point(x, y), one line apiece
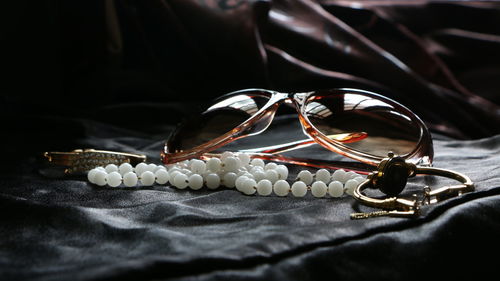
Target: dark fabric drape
point(439, 59)
point(119, 75)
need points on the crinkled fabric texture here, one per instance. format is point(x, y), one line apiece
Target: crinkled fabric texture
point(119, 75)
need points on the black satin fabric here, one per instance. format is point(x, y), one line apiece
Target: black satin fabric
point(119, 75)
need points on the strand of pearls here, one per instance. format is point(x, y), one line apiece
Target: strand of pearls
point(239, 171)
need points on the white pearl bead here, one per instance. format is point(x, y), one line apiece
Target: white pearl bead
point(270, 166)
point(249, 167)
point(214, 164)
point(359, 179)
point(350, 175)
point(305, 176)
point(100, 168)
point(100, 178)
point(258, 162)
point(255, 169)
point(186, 172)
point(231, 164)
point(244, 158)
point(111, 168)
point(190, 162)
point(170, 166)
point(229, 179)
point(151, 167)
point(318, 189)
point(323, 175)
point(130, 179)
point(91, 175)
point(240, 172)
point(264, 187)
point(173, 169)
point(172, 176)
point(272, 175)
point(206, 173)
point(249, 186)
point(125, 168)
point(281, 188)
point(248, 175)
point(114, 179)
point(239, 182)
point(299, 189)
point(282, 172)
point(159, 167)
point(349, 186)
point(213, 181)
point(259, 175)
point(195, 181)
point(339, 175)
point(226, 154)
point(181, 181)
point(162, 176)
point(346, 178)
point(335, 189)
point(147, 178)
point(141, 168)
point(198, 166)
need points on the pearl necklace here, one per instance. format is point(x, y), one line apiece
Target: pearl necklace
point(249, 176)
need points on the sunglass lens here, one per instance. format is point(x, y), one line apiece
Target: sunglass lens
point(217, 120)
point(387, 125)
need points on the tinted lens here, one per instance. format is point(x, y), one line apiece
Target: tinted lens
point(388, 125)
point(218, 119)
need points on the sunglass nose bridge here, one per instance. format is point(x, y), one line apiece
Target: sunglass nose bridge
point(298, 97)
point(279, 98)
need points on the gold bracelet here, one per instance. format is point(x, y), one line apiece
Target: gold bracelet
point(391, 178)
point(82, 160)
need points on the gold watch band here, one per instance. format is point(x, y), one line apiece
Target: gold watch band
point(395, 167)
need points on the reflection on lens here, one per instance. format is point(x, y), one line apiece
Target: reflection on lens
point(217, 120)
point(387, 127)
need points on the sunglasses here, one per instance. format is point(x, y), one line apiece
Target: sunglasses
point(357, 124)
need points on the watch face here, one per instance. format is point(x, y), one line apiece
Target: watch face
point(394, 176)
